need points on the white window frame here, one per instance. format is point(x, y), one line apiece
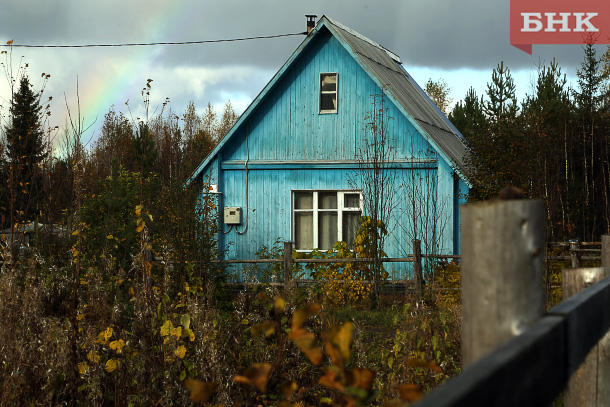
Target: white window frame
point(327, 92)
point(341, 208)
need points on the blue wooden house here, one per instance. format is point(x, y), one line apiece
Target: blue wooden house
point(293, 166)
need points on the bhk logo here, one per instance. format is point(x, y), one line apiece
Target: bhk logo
point(558, 22)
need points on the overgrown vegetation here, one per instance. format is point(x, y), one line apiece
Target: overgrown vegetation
point(116, 298)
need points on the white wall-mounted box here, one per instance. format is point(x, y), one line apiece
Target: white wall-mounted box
point(232, 215)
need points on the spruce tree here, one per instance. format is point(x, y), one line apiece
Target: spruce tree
point(26, 150)
point(145, 150)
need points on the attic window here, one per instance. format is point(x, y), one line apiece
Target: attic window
point(328, 93)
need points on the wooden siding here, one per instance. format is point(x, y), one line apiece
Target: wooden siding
point(269, 216)
point(287, 145)
point(287, 125)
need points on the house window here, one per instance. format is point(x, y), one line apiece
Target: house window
point(328, 93)
point(320, 218)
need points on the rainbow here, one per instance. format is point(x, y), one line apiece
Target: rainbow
point(102, 87)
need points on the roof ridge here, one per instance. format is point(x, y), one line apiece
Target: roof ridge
point(356, 34)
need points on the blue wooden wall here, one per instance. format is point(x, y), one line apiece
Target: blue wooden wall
point(287, 145)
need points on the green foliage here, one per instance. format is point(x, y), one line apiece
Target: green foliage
point(109, 217)
point(425, 348)
point(350, 283)
point(266, 273)
point(145, 150)
point(448, 280)
point(554, 145)
point(439, 92)
point(26, 150)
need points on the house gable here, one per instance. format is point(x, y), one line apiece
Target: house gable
point(287, 126)
point(370, 70)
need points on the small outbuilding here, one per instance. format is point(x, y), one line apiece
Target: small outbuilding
point(305, 161)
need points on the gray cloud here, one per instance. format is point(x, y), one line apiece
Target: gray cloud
point(437, 34)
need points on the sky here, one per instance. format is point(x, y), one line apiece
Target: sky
point(458, 41)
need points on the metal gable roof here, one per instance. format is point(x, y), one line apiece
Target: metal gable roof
point(395, 80)
point(386, 69)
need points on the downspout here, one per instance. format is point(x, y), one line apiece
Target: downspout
point(221, 196)
point(246, 169)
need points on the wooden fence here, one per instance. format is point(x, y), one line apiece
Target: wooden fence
point(515, 353)
point(574, 250)
point(416, 258)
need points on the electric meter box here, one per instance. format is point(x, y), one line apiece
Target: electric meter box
point(232, 215)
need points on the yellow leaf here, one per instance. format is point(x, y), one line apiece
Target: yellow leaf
point(112, 365)
point(200, 391)
point(301, 315)
point(181, 351)
point(279, 305)
point(288, 388)
point(337, 341)
point(80, 317)
point(360, 377)
point(177, 332)
point(93, 356)
point(104, 337)
point(188, 333)
point(76, 232)
point(117, 345)
point(166, 328)
point(141, 226)
point(410, 392)
point(257, 375)
point(267, 328)
point(306, 342)
point(412, 362)
point(185, 321)
point(83, 367)
point(330, 379)
point(138, 210)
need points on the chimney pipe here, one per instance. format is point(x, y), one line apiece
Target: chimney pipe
point(311, 22)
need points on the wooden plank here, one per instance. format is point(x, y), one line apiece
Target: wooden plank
point(605, 255)
point(502, 293)
point(417, 269)
point(528, 370)
point(587, 316)
point(570, 257)
point(287, 261)
point(356, 260)
point(584, 389)
point(575, 253)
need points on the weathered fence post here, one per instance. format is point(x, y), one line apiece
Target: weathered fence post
point(502, 292)
point(287, 261)
point(588, 386)
point(417, 269)
point(575, 253)
point(605, 250)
